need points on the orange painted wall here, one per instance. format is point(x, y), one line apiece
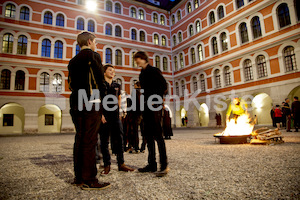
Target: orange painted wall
point(274, 65)
point(32, 83)
point(34, 48)
point(237, 76)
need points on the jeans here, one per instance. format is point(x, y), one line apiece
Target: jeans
point(87, 125)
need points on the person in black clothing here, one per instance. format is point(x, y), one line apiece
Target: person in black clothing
point(155, 86)
point(287, 112)
point(283, 115)
point(86, 80)
point(272, 116)
point(111, 123)
point(167, 126)
point(296, 113)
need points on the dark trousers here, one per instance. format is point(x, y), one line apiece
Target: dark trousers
point(153, 132)
point(283, 120)
point(288, 119)
point(112, 129)
point(296, 122)
point(87, 125)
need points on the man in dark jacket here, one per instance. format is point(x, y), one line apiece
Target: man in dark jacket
point(296, 113)
point(155, 86)
point(287, 113)
point(86, 81)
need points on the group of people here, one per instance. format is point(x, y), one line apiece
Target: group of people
point(285, 114)
point(88, 80)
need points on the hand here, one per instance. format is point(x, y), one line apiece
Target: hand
point(103, 119)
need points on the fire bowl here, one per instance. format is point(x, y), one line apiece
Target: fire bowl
point(232, 139)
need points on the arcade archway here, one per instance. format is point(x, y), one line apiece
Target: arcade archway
point(49, 119)
point(261, 107)
point(203, 115)
point(12, 117)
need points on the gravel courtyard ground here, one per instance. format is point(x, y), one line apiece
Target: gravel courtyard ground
point(41, 167)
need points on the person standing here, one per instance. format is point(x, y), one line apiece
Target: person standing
point(111, 124)
point(287, 112)
point(272, 116)
point(278, 116)
point(296, 113)
point(155, 86)
point(85, 80)
point(167, 124)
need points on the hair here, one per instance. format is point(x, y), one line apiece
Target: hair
point(277, 105)
point(84, 37)
point(107, 66)
point(295, 97)
point(142, 55)
point(283, 102)
point(286, 99)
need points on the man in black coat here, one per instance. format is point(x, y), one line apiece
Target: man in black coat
point(287, 113)
point(296, 113)
point(155, 86)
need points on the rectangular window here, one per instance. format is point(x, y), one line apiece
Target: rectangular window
point(8, 119)
point(49, 119)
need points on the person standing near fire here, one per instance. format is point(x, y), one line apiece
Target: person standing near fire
point(237, 107)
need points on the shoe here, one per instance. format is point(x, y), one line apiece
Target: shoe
point(77, 182)
point(288, 131)
point(95, 186)
point(162, 172)
point(296, 131)
point(125, 168)
point(106, 170)
point(148, 168)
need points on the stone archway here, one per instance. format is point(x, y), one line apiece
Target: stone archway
point(49, 119)
point(294, 92)
point(261, 107)
point(12, 118)
point(183, 117)
point(203, 115)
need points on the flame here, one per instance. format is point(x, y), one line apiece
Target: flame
point(241, 127)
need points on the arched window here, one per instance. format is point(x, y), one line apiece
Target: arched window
point(261, 66)
point(244, 32)
point(163, 41)
point(44, 82)
point(133, 12)
point(155, 39)
point(118, 57)
point(214, 45)
point(91, 26)
point(108, 29)
point(48, 17)
point(191, 30)
point(5, 79)
point(212, 18)
point(283, 15)
point(217, 78)
point(77, 49)
point(196, 4)
point(118, 31)
point(182, 87)
point(174, 40)
point(58, 49)
point(173, 19)
point(57, 83)
point(239, 3)
point(189, 7)
point(80, 24)
point(256, 29)
point(178, 15)
point(46, 48)
point(108, 6)
point(24, 13)
point(162, 20)
point(179, 37)
point(175, 63)
point(220, 12)
point(202, 83)
point(181, 60)
point(10, 10)
point(198, 28)
point(195, 84)
point(60, 20)
point(22, 44)
point(224, 42)
point(165, 64)
point(8, 41)
point(133, 34)
point(289, 59)
point(142, 36)
point(20, 80)
point(141, 15)
point(227, 75)
point(80, 2)
point(248, 70)
point(157, 62)
point(155, 18)
point(108, 56)
point(118, 8)
point(177, 88)
point(193, 56)
point(200, 52)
